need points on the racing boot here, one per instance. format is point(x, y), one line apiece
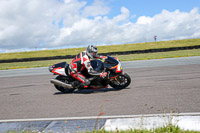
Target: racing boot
point(78, 85)
point(84, 85)
point(75, 84)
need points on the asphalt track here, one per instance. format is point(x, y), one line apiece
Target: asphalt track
point(157, 86)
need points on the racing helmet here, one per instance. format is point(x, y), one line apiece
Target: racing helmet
point(91, 51)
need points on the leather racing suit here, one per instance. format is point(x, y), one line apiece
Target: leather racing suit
point(81, 62)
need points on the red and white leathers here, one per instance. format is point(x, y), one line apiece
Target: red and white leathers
point(78, 64)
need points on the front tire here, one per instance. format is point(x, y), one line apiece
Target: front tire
point(121, 82)
point(62, 89)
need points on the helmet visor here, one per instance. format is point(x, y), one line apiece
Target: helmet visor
point(94, 54)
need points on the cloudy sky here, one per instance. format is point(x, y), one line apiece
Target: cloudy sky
point(49, 24)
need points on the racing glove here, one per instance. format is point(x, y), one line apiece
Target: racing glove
point(103, 74)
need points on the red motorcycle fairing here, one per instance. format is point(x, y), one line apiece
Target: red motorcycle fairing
point(59, 71)
point(116, 78)
point(114, 66)
point(59, 68)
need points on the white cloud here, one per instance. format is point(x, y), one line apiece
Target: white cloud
point(175, 25)
point(97, 8)
point(72, 23)
point(144, 20)
point(125, 14)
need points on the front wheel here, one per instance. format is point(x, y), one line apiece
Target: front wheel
point(121, 82)
point(62, 89)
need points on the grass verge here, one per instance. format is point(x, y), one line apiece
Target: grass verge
point(102, 49)
point(131, 57)
point(164, 129)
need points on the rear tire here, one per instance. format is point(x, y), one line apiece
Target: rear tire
point(62, 89)
point(121, 82)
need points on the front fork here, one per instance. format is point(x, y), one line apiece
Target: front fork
point(115, 76)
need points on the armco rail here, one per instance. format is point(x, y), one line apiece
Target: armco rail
point(109, 53)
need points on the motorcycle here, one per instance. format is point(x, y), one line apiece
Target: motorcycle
point(116, 78)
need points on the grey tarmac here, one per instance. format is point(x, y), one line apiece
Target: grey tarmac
point(154, 89)
point(158, 87)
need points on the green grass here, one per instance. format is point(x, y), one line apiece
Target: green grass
point(31, 64)
point(160, 55)
point(131, 57)
point(164, 129)
point(102, 49)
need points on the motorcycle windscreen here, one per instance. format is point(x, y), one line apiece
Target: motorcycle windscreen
point(97, 65)
point(111, 62)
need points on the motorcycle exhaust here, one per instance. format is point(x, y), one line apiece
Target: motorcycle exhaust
point(60, 83)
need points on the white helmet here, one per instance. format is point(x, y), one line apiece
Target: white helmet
point(91, 51)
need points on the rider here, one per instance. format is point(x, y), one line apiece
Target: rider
point(81, 62)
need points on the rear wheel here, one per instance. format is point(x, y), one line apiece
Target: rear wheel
point(121, 82)
point(62, 89)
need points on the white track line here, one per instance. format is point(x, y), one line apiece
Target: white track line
point(100, 117)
